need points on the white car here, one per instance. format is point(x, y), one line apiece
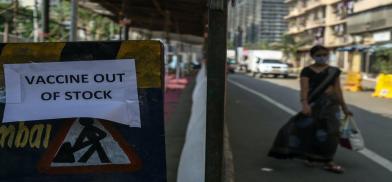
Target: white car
point(271, 67)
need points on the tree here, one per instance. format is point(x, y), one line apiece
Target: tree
point(383, 61)
point(263, 45)
point(96, 27)
point(289, 46)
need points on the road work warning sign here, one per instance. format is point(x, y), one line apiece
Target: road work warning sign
point(88, 145)
point(99, 89)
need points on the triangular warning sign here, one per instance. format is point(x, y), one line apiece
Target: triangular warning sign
point(86, 146)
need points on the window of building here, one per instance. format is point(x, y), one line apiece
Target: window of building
point(340, 29)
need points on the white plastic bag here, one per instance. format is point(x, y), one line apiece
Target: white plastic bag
point(350, 135)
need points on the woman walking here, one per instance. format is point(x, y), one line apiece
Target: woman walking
point(313, 134)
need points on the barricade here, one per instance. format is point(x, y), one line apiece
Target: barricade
point(70, 149)
point(353, 82)
point(384, 86)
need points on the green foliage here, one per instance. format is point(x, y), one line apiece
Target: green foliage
point(24, 19)
point(259, 45)
point(383, 61)
point(230, 45)
point(289, 46)
point(97, 27)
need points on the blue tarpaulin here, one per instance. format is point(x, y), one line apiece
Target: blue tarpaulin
point(353, 48)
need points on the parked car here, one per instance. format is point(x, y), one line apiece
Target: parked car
point(272, 67)
point(255, 55)
point(231, 65)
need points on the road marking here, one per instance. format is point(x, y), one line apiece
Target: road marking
point(377, 158)
point(268, 99)
point(365, 152)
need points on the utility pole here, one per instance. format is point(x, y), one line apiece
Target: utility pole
point(15, 17)
point(74, 21)
point(216, 89)
point(125, 21)
point(126, 32)
point(124, 28)
point(35, 21)
point(6, 31)
point(45, 19)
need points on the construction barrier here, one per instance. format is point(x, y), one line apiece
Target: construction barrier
point(87, 149)
point(384, 86)
point(353, 82)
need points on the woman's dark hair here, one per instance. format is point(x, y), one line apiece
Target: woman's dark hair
point(316, 48)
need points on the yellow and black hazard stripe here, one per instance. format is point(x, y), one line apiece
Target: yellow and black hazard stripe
point(148, 141)
point(148, 56)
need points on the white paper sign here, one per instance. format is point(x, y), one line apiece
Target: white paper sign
point(97, 89)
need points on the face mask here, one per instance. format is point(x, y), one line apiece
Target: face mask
point(321, 59)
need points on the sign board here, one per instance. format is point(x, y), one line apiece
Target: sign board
point(88, 145)
point(82, 148)
point(382, 36)
point(103, 89)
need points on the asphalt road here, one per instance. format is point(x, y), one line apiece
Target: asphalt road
point(253, 123)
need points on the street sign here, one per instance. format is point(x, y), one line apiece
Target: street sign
point(104, 89)
point(87, 149)
point(87, 145)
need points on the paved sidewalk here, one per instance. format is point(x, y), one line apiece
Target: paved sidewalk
point(176, 125)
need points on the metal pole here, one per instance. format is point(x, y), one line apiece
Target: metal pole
point(120, 34)
point(74, 21)
point(126, 32)
point(216, 87)
point(15, 17)
point(367, 69)
point(45, 19)
point(6, 32)
point(35, 21)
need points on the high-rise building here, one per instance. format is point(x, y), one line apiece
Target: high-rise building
point(252, 21)
point(273, 24)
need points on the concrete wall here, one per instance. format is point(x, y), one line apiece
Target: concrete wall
point(363, 5)
point(370, 21)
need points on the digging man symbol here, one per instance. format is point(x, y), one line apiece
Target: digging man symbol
point(89, 137)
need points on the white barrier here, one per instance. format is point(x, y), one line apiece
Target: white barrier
point(191, 167)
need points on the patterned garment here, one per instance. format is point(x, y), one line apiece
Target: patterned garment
point(315, 137)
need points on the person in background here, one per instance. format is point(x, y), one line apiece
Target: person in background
point(313, 134)
point(244, 64)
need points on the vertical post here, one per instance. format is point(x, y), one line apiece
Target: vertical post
point(15, 17)
point(367, 67)
point(35, 21)
point(45, 19)
point(73, 36)
point(167, 23)
point(126, 32)
point(216, 87)
point(111, 30)
point(125, 23)
point(120, 34)
point(6, 31)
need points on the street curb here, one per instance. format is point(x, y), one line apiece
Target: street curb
point(228, 162)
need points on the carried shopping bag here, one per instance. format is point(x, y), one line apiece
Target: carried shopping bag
point(350, 135)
